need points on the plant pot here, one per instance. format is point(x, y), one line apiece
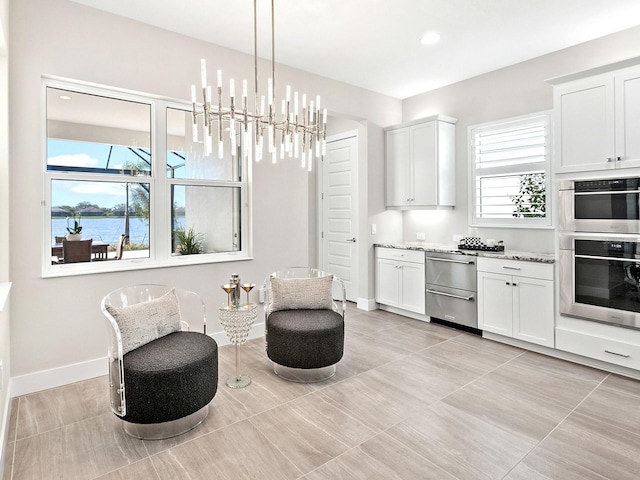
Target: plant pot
point(74, 237)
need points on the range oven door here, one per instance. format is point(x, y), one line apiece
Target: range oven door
point(600, 278)
point(600, 205)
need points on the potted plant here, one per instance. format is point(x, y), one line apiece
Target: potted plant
point(75, 232)
point(189, 242)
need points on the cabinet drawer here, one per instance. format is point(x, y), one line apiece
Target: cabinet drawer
point(599, 348)
point(543, 271)
point(399, 254)
point(452, 304)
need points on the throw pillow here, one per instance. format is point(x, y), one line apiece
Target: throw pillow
point(143, 322)
point(301, 293)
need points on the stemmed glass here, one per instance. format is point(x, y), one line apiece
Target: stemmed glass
point(247, 287)
point(227, 287)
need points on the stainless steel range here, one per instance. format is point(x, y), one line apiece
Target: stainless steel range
point(451, 288)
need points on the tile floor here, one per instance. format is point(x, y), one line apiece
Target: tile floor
point(411, 400)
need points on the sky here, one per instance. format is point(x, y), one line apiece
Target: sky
point(88, 155)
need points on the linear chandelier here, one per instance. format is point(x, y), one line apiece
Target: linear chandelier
point(295, 133)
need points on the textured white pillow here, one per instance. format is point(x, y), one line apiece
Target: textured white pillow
point(143, 322)
point(301, 293)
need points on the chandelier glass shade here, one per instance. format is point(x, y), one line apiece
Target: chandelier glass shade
point(298, 131)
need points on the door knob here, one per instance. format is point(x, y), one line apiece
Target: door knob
point(352, 240)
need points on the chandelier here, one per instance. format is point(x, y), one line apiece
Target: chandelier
point(299, 132)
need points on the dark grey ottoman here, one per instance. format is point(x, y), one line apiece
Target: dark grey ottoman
point(305, 339)
point(162, 387)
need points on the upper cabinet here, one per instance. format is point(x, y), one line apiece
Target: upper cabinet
point(597, 119)
point(420, 163)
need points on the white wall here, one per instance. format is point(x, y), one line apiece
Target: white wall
point(5, 333)
point(504, 93)
point(56, 322)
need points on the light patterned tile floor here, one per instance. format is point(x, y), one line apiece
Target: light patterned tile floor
point(411, 400)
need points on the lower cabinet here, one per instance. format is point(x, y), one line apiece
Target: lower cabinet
point(400, 279)
point(608, 343)
point(515, 299)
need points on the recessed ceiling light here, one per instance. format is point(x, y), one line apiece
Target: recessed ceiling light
point(65, 97)
point(430, 38)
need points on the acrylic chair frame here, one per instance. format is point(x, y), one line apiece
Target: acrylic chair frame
point(339, 305)
point(191, 306)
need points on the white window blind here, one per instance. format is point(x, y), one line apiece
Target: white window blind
point(509, 164)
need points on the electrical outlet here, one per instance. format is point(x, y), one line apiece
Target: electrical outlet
point(373, 229)
point(420, 236)
point(261, 295)
point(457, 238)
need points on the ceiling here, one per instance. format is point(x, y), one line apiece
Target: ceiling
point(375, 44)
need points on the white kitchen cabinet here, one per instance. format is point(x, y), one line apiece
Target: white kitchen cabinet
point(597, 121)
point(515, 299)
point(400, 279)
point(607, 343)
point(420, 163)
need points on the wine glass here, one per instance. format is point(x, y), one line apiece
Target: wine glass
point(247, 287)
point(228, 287)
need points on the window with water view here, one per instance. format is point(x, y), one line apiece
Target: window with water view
point(104, 177)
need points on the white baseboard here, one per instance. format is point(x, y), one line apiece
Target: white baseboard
point(405, 313)
point(56, 377)
point(367, 304)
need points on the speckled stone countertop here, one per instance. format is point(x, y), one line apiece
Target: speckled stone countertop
point(508, 254)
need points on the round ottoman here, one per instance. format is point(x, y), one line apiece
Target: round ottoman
point(162, 387)
point(305, 339)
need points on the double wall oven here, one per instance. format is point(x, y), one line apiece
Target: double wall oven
point(600, 250)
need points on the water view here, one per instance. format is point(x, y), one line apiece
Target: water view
point(108, 229)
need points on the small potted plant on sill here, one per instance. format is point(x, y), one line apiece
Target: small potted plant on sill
point(190, 242)
point(75, 232)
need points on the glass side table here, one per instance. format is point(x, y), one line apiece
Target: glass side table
point(237, 322)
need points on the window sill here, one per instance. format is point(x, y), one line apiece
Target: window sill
point(109, 266)
point(511, 225)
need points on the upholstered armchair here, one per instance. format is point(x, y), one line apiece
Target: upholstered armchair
point(162, 377)
point(304, 323)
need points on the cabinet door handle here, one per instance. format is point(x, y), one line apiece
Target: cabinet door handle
point(470, 297)
point(507, 283)
point(618, 159)
point(352, 240)
point(616, 353)
point(511, 268)
point(514, 284)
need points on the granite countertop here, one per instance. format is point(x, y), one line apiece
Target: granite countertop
point(507, 254)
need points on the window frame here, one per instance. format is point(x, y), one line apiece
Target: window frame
point(474, 172)
point(160, 228)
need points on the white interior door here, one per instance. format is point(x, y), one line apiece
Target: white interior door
point(340, 212)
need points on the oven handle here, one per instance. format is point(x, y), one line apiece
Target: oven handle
point(459, 297)
point(611, 192)
point(469, 262)
point(595, 257)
